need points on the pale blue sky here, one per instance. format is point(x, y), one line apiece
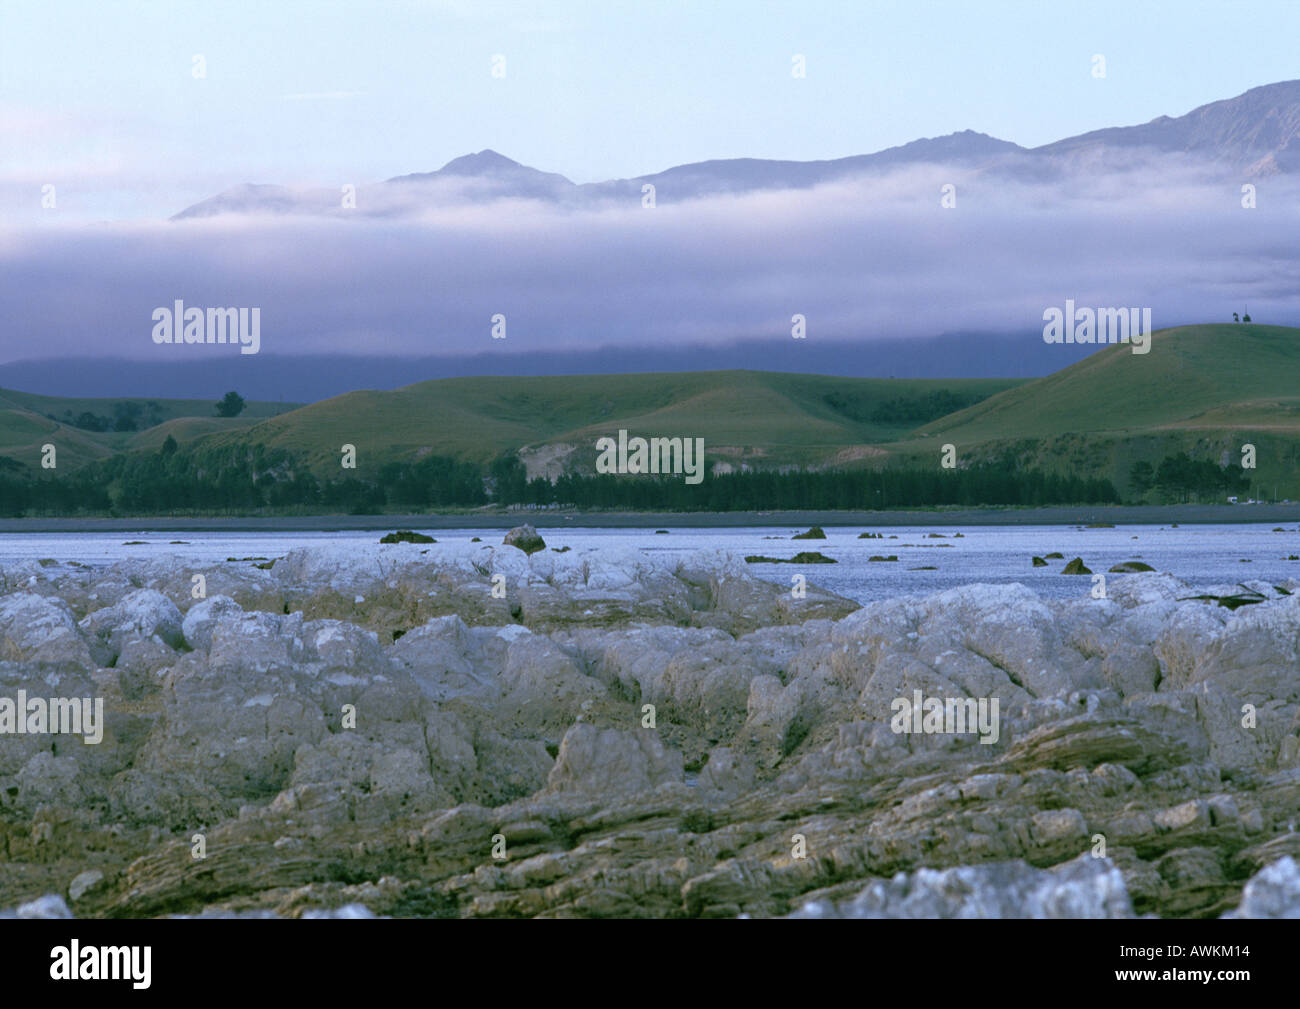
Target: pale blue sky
point(99, 96)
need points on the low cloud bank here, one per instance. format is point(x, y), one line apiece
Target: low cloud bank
point(862, 260)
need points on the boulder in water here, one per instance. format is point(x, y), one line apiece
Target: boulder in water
point(407, 536)
point(525, 538)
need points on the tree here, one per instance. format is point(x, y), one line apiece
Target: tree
point(92, 422)
point(1236, 317)
point(509, 479)
point(126, 416)
point(231, 406)
point(1142, 477)
point(169, 447)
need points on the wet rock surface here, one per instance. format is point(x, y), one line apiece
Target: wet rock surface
point(474, 731)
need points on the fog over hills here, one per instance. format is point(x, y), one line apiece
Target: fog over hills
point(937, 258)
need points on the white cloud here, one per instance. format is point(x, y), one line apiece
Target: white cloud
point(861, 259)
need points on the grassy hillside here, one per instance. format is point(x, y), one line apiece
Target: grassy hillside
point(22, 434)
point(1205, 390)
point(1202, 390)
point(185, 429)
point(28, 421)
point(1193, 377)
point(778, 418)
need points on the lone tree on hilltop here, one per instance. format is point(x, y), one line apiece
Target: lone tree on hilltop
point(231, 406)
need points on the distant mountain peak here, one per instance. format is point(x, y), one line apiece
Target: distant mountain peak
point(496, 169)
point(486, 160)
point(963, 140)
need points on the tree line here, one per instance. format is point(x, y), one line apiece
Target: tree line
point(1181, 479)
point(910, 410)
point(818, 490)
point(128, 415)
point(134, 415)
point(245, 479)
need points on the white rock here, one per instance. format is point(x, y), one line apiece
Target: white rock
point(83, 883)
point(202, 618)
point(38, 629)
point(613, 761)
point(49, 906)
point(1273, 892)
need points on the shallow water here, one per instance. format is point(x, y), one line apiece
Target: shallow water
point(1199, 554)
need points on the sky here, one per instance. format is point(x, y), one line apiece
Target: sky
point(100, 98)
point(105, 104)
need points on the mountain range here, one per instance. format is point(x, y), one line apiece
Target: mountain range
point(1254, 135)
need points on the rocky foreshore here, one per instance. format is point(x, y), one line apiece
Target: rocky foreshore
point(470, 730)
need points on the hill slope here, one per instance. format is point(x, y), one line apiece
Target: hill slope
point(1190, 373)
point(778, 418)
point(1206, 390)
point(28, 421)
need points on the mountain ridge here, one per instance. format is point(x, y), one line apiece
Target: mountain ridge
point(1256, 132)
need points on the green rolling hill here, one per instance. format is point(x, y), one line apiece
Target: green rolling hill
point(769, 418)
point(1194, 376)
point(185, 429)
point(1203, 390)
point(28, 421)
point(23, 433)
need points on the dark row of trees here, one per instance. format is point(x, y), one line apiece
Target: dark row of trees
point(939, 403)
point(908, 410)
point(1182, 479)
point(240, 479)
point(860, 489)
point(129, 415)
point(236, 480)
point(135, 415)
point(73, 495)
